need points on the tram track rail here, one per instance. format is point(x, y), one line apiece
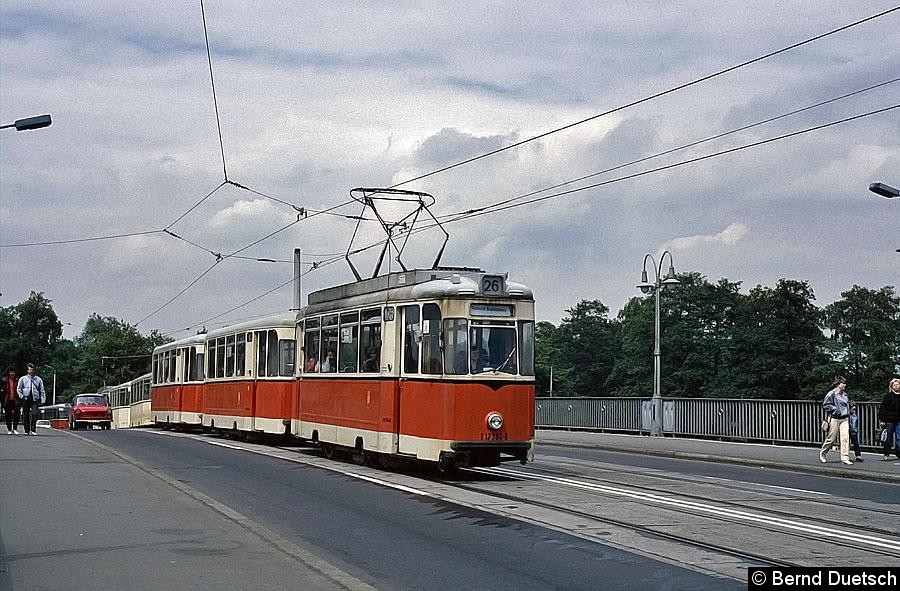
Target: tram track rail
point(781, 493)
point(813, 533)
point(756, 559)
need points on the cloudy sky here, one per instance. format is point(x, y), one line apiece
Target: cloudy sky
point(316, 98)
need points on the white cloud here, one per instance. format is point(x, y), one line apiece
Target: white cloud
point(730, 236)
point(336, 96)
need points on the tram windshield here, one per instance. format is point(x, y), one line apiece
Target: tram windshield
point(495, 346)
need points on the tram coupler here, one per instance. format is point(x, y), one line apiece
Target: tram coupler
point(448, 461)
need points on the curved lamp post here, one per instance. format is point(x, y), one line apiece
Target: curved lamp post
point(658, 285)
point(30, 123)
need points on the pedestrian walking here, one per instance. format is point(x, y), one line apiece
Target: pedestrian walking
point(10, 395)
point(31, 393)
point(889, 418)
point(837, 409)
point(853, 419)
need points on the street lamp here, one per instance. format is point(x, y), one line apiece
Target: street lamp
point(884, 190)
point(30, 123)
point(658, 285)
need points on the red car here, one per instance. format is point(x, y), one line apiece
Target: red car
point(88, 410)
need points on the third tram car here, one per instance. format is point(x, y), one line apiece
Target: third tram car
point(434, 365)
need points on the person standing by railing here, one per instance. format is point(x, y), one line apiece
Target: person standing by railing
point(854, 433)
point(889, 416)
point(31, 393)
point(837, 408)
point(8, 386)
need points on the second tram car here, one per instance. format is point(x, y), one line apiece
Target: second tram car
point(434, 365)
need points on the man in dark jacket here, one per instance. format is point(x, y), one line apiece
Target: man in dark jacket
point(889, 415)
point(8, 385)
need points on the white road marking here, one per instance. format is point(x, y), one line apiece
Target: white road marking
point(823, 531)
point(744, 483)
point(378, 481)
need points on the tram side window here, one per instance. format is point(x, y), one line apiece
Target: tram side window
point(211, 359)
point(197, 375)
point(155, 369)
point(431, 339)
point(185, 365)
point(286, 347)
point(348, 355)
point(311, 346)
point(370, 341)
point(262, 347)
point(272, 361)
point(171, 365)
point(412, 335)
point(240, 354)
point(456, 346)
point(526, 347)
point(229, 356)
point(328, 354)
point(220, 357)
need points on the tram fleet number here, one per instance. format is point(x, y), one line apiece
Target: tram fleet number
point(493, 285)
point(496, 436)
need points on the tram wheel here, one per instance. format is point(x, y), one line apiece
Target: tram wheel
point(328, 450)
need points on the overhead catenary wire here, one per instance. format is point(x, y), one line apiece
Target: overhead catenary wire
point(649, 98)
point(487, 210)
point(77, 240)
point(679, 148)
point(474, 158)
point(212, 83)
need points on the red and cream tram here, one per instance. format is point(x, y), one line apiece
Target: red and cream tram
point(434, 365)
point(177, 377)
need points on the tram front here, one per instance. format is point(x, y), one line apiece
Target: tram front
point(467, 371)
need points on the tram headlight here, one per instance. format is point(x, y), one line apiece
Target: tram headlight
point(494, 421)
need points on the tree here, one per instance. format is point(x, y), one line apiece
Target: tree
point(28, 332)
point(778, 345)
point(585, 345)
point(110, 351)
point(865, 326)
point(697, 341)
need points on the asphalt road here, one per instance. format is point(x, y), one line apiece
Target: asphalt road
point(392, 538)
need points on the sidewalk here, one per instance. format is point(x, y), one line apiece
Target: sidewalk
point(76, 516)
point(782, 457)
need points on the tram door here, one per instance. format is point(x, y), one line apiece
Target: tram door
point(410, 345)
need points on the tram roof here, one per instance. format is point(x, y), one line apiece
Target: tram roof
point(197, 339)
point(278, 320)
point(417, 284)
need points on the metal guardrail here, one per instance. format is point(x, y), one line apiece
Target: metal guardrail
point(773, 421)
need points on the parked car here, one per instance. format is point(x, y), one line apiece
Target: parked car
point(88, 410)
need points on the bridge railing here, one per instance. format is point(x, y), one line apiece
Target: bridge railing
point(773, 421)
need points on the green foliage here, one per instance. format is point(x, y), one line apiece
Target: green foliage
point(28, 332)
point(718, 342)
point(865, 326)
point(108, 351)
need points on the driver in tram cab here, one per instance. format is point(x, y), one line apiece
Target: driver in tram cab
point(478, 357)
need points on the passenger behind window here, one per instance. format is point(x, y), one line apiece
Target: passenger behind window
point(371, 362)
point(310, 365)
point(328, 365)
